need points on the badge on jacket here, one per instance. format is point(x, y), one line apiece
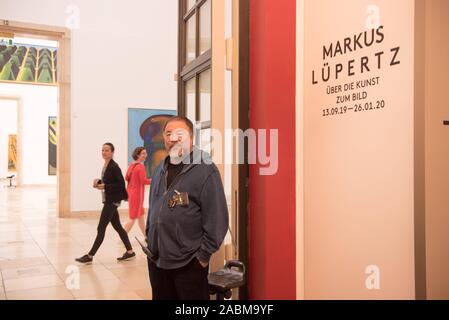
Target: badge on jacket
point(179, 199)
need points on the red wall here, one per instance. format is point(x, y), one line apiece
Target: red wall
point(272, 242)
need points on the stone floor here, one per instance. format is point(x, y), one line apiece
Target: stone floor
point(37, 251)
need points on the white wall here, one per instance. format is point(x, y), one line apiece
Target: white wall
point(8, 126)
point(140, 35)
point(359, 166)
point(37, 104)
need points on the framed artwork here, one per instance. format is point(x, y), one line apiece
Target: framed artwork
point(12, 153)
point(21, 63)
point(145, 130)
point(52, 146)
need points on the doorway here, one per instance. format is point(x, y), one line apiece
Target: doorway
point(9, 137)
point(51, 69)
point(213, 91)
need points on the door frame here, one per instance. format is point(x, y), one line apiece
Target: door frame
point(240, 120)
point(63, 36)
point(237, 60)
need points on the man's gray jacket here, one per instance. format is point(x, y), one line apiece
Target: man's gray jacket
point(179, 234)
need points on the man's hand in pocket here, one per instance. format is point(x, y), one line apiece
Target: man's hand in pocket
point(203, 264)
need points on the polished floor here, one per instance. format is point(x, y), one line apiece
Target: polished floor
point(37, 251)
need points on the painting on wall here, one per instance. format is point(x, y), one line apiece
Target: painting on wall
point(22, 63)
point(145, 130)
point(12, 153)
point(52, 146)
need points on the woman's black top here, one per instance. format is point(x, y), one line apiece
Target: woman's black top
point(115, 187)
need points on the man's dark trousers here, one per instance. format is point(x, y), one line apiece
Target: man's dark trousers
point(186, 283)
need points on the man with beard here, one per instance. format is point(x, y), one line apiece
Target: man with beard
point(188, 217)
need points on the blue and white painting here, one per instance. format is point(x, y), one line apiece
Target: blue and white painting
point(145, 130)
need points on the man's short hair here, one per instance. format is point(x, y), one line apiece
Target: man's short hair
point(186, 121)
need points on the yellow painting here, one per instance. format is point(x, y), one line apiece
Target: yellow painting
point(12, 153)
point(52, 146)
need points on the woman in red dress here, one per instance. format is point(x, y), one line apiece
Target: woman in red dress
point(136, 177)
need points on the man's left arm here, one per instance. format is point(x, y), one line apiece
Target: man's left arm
point(215, 218)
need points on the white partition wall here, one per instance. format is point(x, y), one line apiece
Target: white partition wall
point(358, 109)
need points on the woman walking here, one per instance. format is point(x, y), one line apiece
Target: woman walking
point(137, 180)
point(113, 192)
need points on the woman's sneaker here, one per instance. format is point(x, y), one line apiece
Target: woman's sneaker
point(85, 259)
point(127, 256)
